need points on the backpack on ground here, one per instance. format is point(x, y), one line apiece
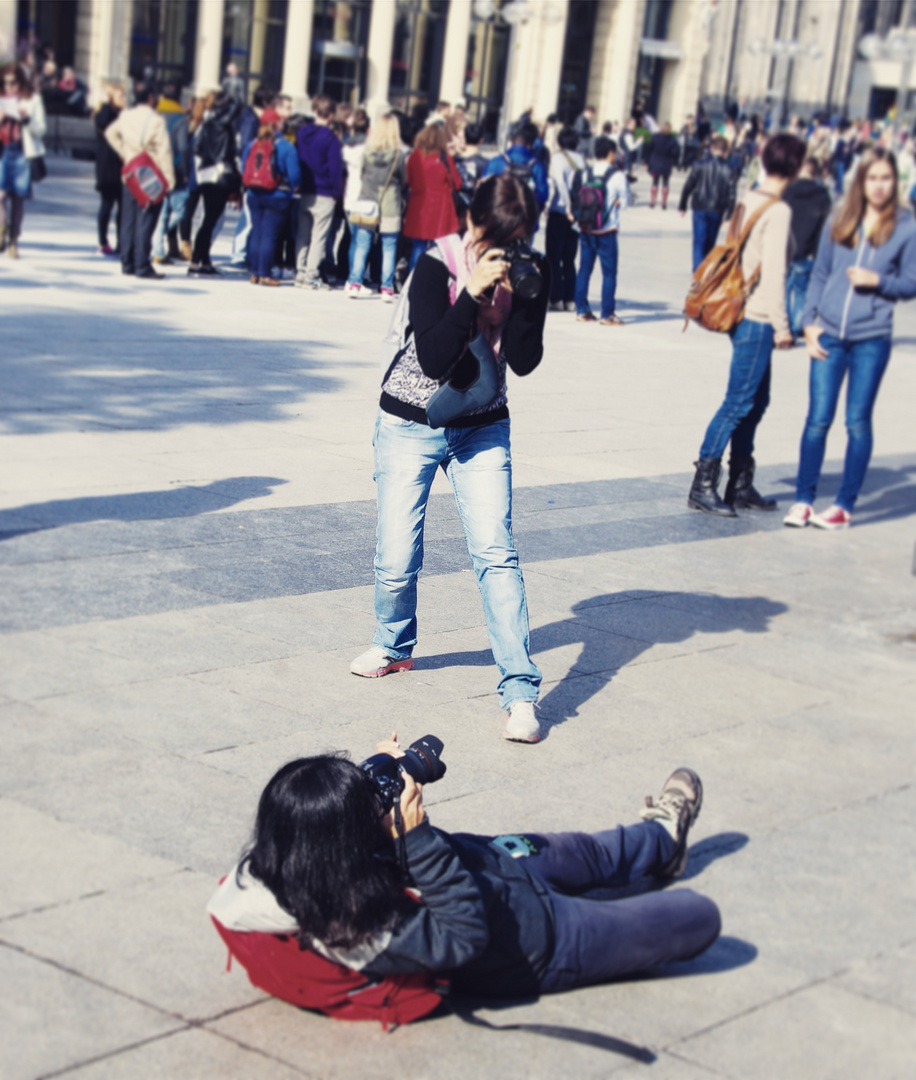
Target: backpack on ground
point(718, 291)
point(588, 199)
point(277, 965)
point(261, 166)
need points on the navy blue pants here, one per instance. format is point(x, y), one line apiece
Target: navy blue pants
point(268, 216)
point(706, 226)
point(600, 940)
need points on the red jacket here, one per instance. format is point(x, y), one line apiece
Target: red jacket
point(431, 210)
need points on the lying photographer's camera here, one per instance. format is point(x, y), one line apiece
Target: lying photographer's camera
point(422, 760)
point(524, 273)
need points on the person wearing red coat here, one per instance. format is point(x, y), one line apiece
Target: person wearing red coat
point(432, 178)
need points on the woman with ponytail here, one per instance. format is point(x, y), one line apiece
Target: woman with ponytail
point(865, 263)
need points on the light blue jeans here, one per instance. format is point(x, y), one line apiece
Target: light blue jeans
point(360, 246)
point(478, 465)
point(172, 213)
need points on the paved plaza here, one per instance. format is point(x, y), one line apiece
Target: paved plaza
point(187, 527)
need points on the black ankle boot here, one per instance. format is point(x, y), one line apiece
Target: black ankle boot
point(703, 495)
point(740, 491)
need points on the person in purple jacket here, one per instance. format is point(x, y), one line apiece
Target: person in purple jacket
point(321, 157)
point(866, 262)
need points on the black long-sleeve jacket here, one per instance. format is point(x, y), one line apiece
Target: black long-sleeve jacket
point(441, 332)
point(483, 917)
point(711, 187)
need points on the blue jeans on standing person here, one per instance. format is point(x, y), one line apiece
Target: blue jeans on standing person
point(865, 361)
point(360, 246)
point(268, 216)
point(477, 462)
point(706, 225)
point(797, 278)
point(747, 395)
point(419, 248)
point(604, 248)
point(173, 210)
point(598, 940)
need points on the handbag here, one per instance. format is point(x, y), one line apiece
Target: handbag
point(143, 178)
point(448, 403)
point(39, 169)
point(367, 213)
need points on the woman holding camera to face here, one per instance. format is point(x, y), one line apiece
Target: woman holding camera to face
point(462, 307)
point(866, 262)
point(503, 916)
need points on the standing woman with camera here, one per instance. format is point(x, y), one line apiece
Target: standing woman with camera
point(22, 127)
point(866, 262)
point(465, 326)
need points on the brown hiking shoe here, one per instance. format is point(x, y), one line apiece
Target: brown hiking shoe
point(679, 802)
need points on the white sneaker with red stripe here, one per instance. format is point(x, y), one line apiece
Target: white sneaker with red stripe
point(522, 723)
point(375, 662)
point(834, 518)
point(799, 515)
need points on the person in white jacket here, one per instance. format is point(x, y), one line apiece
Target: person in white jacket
point(22, 125)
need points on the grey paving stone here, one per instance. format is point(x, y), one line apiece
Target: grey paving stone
point(886, 978)
point(54, 1019)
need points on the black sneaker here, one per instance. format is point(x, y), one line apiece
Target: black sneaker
point(679, 802)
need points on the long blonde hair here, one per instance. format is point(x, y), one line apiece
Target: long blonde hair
point(384, 134)
point(845, 228)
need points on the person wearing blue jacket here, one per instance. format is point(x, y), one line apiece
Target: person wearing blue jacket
point(866, 262)
point(522, 160)
point(269, 208)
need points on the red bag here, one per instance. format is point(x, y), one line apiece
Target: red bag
point(276, 965)
point(143, 179)
point(261, 166)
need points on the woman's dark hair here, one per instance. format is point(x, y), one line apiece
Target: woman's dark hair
point(473, 134)
point(603, 147)
point(320, 849)
point(504, 208)
point(23, 84)
point(783, 156)
point(567, 139)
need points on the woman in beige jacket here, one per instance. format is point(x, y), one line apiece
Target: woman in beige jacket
point(764, 325)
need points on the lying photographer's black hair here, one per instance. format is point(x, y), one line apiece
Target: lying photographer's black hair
point(318, 846)
point(505, 208)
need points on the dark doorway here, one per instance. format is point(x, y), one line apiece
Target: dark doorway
point(577, 53)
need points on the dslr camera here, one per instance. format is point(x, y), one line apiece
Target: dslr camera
point(524, 272)
point(422, 760)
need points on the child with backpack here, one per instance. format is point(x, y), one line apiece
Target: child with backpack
point(348, 901)
point(764, 256)
point(270, 173)
point(600, 192)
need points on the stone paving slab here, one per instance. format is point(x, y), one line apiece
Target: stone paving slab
point(186, 534)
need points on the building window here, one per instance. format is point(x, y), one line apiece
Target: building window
point(416, 56)
point(254, 32)
point(47, 25)
point(577, 53)
point(485, 71)
point(340, 31)
point(651, 68)
point(162, 36)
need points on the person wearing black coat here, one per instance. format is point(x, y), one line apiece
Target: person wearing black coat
point(108, 170)
point(811, 204)
point(216, 169)
point(663, 155)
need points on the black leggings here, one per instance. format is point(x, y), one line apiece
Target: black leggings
point(215, 199)
point(111, 199)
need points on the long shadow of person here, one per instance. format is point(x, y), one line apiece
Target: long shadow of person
point(616, 628)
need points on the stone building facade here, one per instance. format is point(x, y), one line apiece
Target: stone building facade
point(500, 56)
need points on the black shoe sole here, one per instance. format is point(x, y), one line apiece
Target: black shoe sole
point(694, 505)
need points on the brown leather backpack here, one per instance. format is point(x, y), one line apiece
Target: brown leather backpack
point(718, 291)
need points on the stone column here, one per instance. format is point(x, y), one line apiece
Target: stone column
point(209, 46)
point(455, 54)
point(297, 51)
point(7, 30)
point(378, 57)
point(550, 66)
point(618, 29)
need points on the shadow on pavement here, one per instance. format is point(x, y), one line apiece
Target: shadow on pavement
point(174, 502)
point(73, 370)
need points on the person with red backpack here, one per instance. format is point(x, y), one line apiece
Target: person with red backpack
point(599, 192)
point(349, 901)
point(270, 174)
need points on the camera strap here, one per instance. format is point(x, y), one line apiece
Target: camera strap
point(595, 1039)
point(399, 843)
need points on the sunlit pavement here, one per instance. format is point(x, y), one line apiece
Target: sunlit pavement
point(186, 540)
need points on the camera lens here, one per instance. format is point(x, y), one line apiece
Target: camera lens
point(423, 760)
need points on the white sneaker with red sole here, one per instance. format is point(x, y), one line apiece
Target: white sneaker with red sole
point(799, 515)
point(521, 723)
point(834, 518)
point(375, 662)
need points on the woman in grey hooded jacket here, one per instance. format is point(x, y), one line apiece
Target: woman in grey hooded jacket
point(866, 262)
point(384, 180)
